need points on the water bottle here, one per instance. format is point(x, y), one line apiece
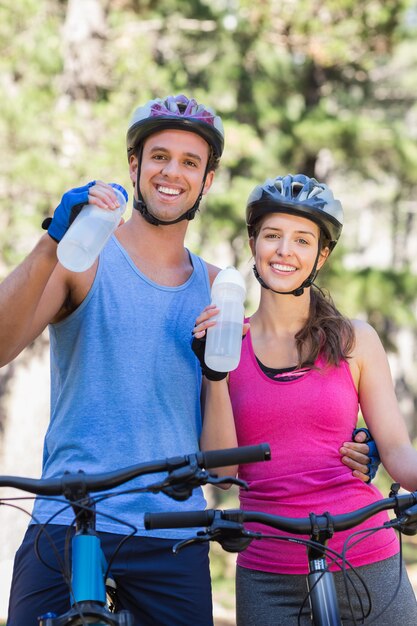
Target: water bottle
point(224, 340)
point(89, 233)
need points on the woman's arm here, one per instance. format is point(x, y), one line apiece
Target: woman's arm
point(380, 408)
point(218, 424)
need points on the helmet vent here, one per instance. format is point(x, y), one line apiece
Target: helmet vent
point(296, 188)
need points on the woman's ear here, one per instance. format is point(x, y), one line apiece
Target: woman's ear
point(323, 257)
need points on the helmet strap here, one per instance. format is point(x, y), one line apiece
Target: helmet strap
point(140, 204)
point(306, 283)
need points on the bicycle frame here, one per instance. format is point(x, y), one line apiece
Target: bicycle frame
point(88, 572)
point(88, 566)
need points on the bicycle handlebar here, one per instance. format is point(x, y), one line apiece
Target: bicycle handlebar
point(298, 526)
point(183, 519)
point(109, 480)
point(234, 456)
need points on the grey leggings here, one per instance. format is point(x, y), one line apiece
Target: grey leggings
point(264, 599)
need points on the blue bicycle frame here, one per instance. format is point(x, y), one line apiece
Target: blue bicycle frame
point(88, 571)
point(87, 557)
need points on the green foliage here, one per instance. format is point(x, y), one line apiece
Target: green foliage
point(289, 80)
point(386, 298)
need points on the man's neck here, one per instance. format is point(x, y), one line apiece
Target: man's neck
point(157, 251)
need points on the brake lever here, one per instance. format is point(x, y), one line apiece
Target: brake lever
point(227, 480)
point(179, 484)
point(406, 523)
point(232, 536)
point(187, 542)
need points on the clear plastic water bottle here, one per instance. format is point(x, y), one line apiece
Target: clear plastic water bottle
point(224, 340)
point(89, 233)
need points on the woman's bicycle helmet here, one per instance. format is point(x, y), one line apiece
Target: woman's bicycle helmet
point(297, 195)
point(181, 113)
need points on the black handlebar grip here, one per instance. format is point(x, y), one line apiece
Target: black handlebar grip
point(183, 519)
point(234, 456)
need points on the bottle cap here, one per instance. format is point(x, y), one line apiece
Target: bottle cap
point(121, 189)
point(230, 275)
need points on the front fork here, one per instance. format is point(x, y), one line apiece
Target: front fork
point(88, 589)
point(320, 581)
point(322, 594)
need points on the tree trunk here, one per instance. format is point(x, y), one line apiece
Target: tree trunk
point(84, 41)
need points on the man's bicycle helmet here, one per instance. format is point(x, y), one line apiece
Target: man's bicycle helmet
point(181, 113)
point(175, 112)
point(297, 195)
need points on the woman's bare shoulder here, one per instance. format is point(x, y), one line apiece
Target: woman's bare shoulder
point(366, 338)
point(363, 329)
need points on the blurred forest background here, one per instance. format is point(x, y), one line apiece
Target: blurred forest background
point(323, 87)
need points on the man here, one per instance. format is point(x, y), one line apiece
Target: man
point(125, 384)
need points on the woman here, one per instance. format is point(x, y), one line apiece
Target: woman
point(304, 372)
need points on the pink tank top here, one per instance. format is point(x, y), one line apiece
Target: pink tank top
point(305, 421)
